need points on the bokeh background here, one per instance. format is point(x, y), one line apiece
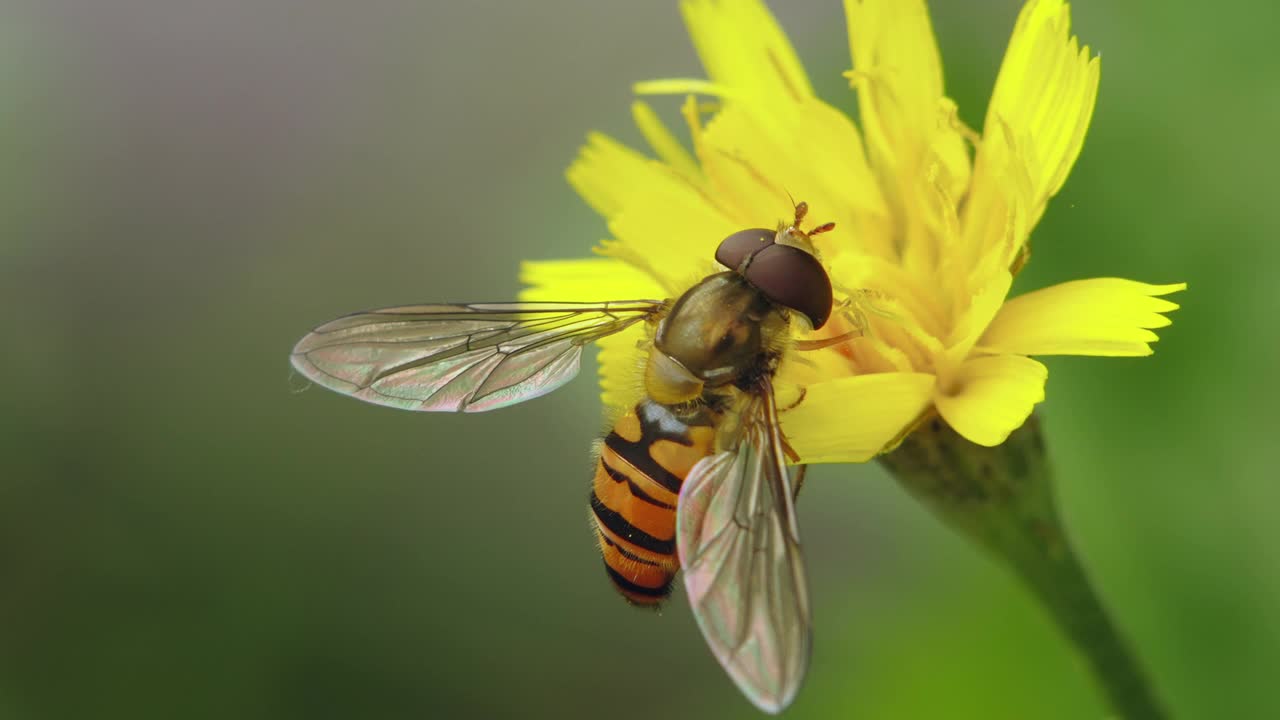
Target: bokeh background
point(186, 187)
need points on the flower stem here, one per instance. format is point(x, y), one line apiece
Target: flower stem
point(1002, 498)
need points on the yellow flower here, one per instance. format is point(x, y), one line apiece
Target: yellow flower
point(932, 221)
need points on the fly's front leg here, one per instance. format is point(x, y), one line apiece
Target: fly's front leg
point(798, 480)
point(853, 316)
point(853, 310)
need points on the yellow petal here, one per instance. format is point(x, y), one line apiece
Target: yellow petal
point(772, 142)
point(661, 221)
point(621, 360)
point(853, 418)
point(681, 86)
point(757, 161)
point(992, 397)
point(908, 122)
point(997, 214)
point(896, 64)
point(743, 49)
point(600, 163)
point(973, 321)
point(1102, 316)
point(1046, 91)
point(664, 144)
point(851, 273)
point(1039, 113)
point(586, 280)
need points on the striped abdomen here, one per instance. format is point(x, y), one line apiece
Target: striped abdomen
point(643, 461)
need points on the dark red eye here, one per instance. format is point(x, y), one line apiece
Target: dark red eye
point(743, 244)
point(792, 278)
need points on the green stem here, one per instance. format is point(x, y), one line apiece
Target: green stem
point(1002, 498)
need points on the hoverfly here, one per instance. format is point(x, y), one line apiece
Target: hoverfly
point(693, 478)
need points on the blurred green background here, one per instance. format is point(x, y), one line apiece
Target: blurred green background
point(188, 187)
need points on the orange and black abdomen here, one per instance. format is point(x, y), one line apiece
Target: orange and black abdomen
point(643, 462)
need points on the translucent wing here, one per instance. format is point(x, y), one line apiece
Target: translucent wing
point(459, 358)
point(740, 551)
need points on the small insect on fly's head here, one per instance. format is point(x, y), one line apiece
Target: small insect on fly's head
point(781, 264)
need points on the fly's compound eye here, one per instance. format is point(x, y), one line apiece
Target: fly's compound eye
point(742, 245)
point(792, 278)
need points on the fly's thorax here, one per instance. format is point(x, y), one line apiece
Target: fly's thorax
point(718, 332)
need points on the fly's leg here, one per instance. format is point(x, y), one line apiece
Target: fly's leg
point(853, 315)
point(811, 345)
point(798, 481)
point(854, 311)
point(803, 392)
